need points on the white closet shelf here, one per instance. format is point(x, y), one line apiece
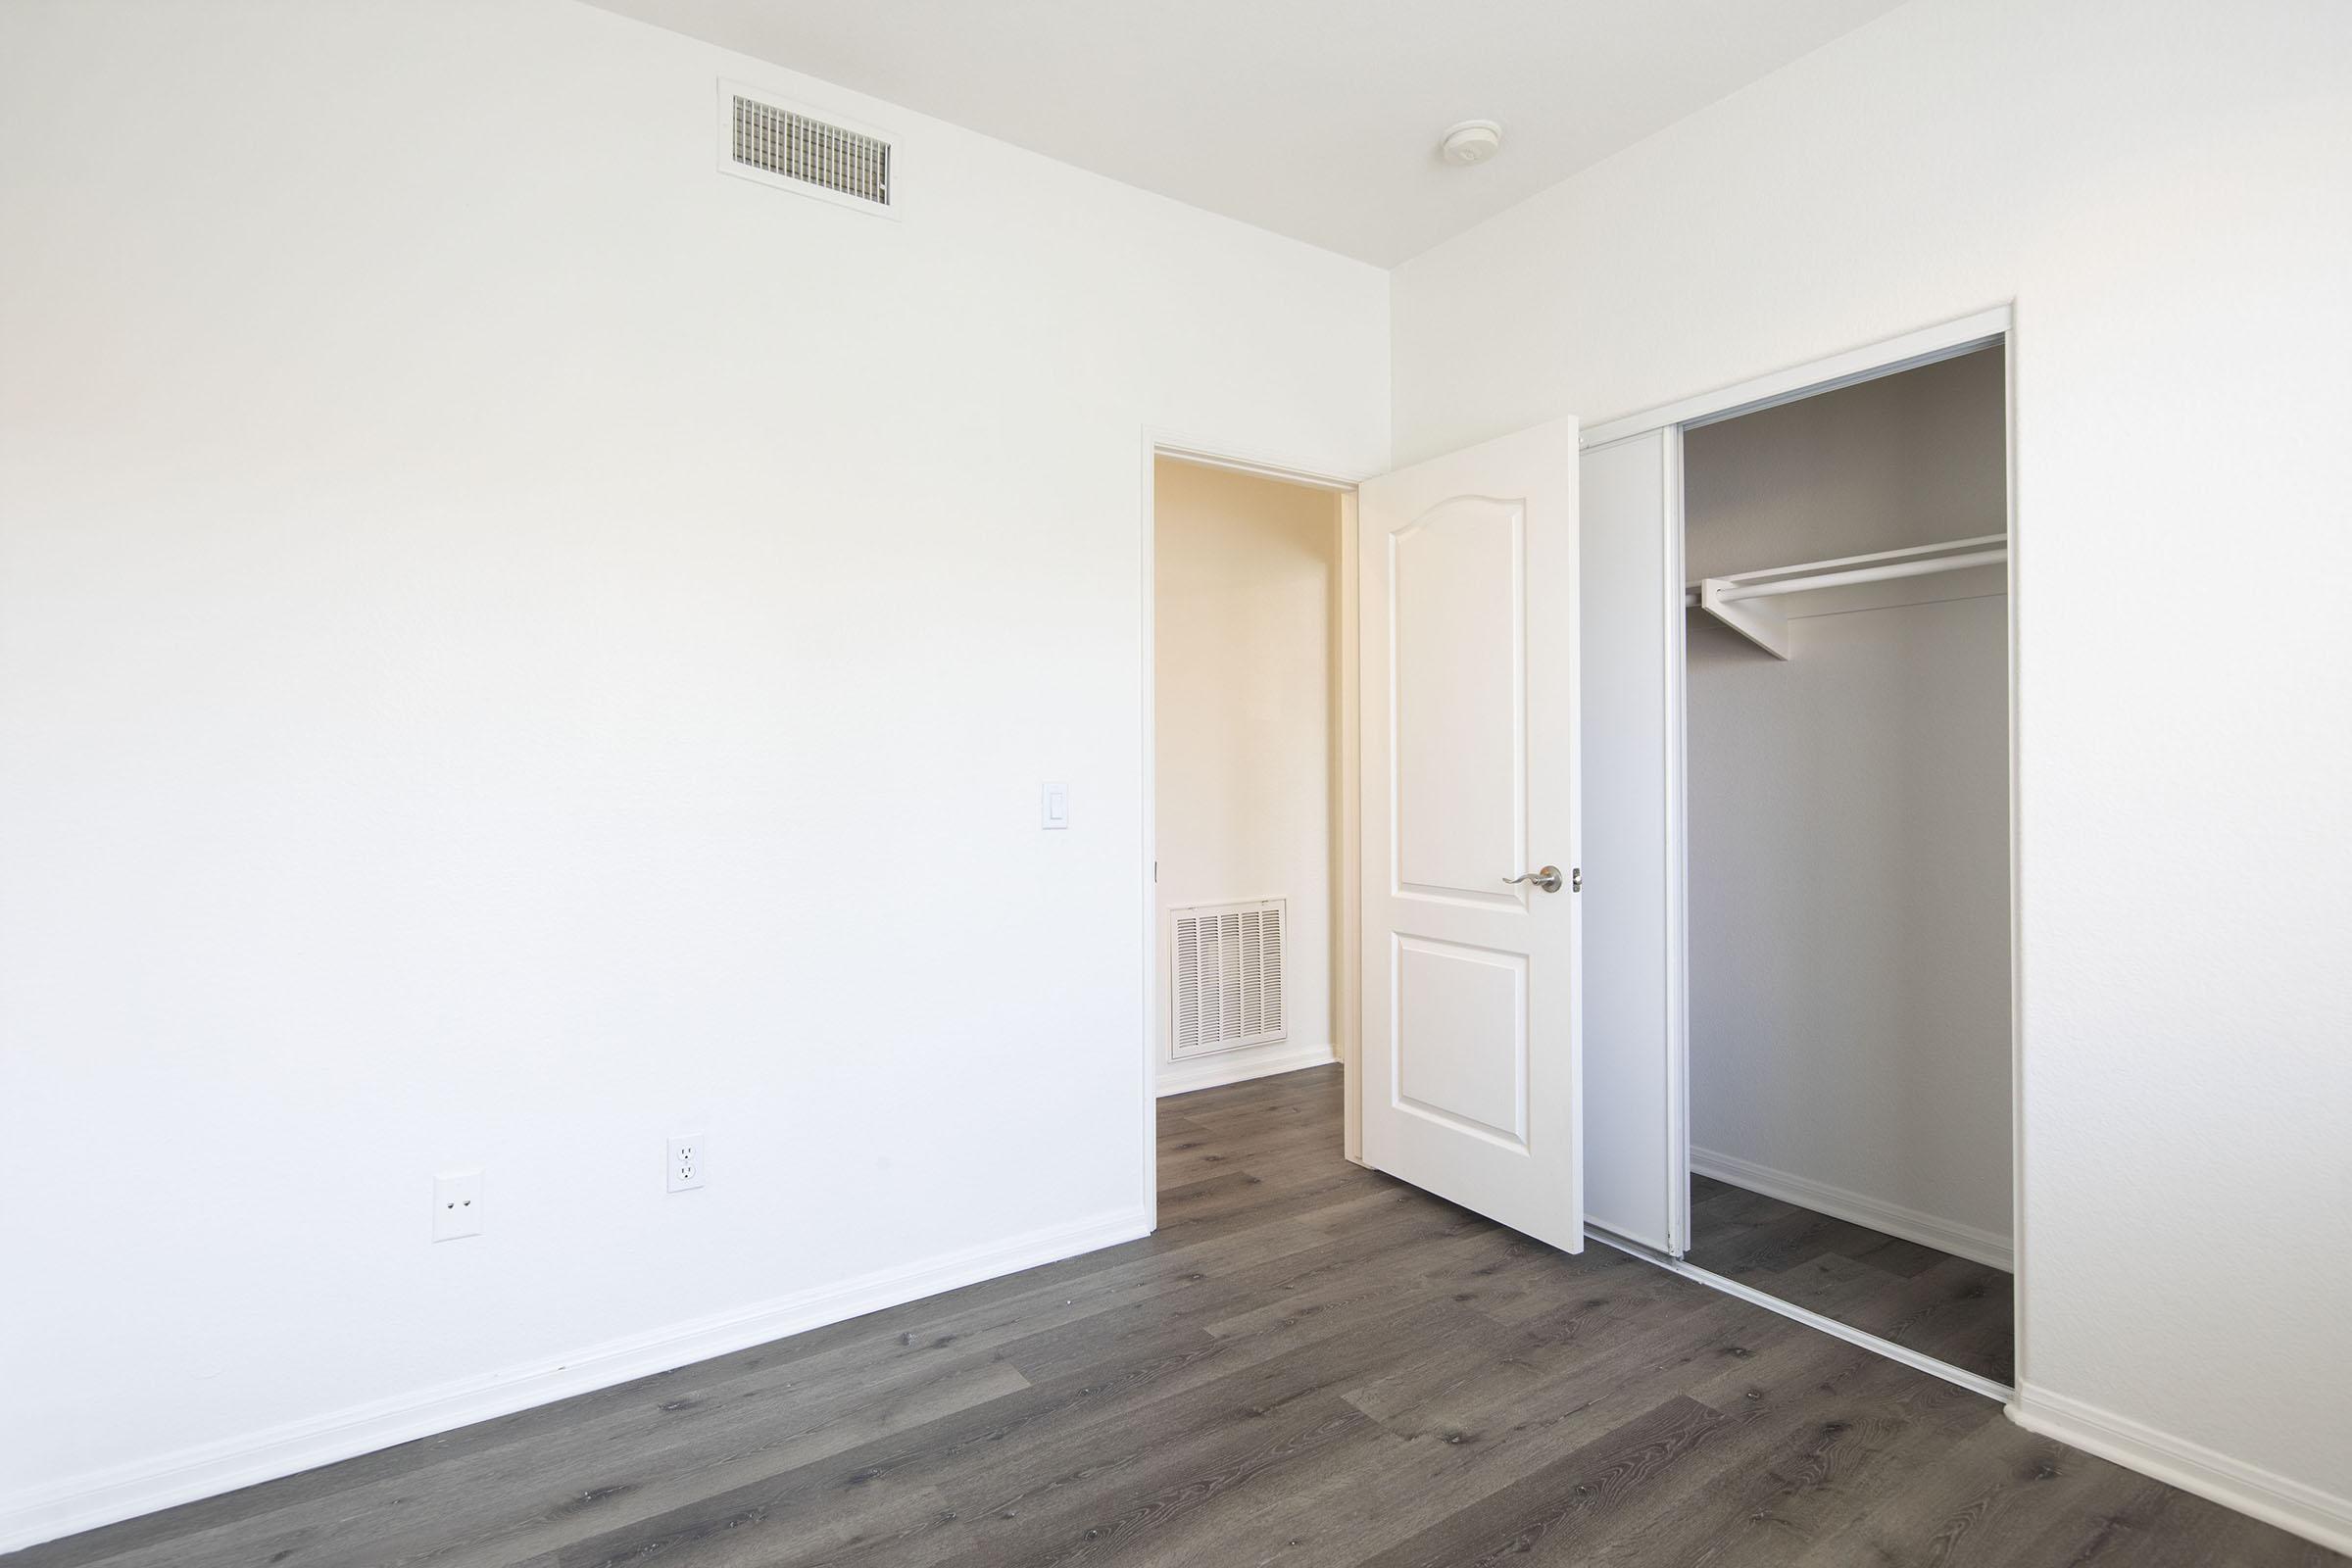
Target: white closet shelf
point(1759, 604)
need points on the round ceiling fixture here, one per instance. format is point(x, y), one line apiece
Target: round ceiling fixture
point(1473, 141)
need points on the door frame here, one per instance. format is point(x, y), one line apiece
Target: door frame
point(1346, 1010)
point(1995, 325)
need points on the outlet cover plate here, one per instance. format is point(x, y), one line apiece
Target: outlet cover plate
point(456, 1205)
point(689, 1161)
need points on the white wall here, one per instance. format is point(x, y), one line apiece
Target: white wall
point(1245, 569)
point(514, 644)
point(1848, 816)
point(2161, 191)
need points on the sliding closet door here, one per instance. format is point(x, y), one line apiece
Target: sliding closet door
point(1634, 1129)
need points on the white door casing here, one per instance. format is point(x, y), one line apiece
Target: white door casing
point(1472, 987)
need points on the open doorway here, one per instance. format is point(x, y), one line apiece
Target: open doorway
point(1847, 820)
point(1431, 664)
point(1251, 751)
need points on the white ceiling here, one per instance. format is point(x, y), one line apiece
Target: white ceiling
point(1317, 119)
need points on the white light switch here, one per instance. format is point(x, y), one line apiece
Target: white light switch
point(1053, 806)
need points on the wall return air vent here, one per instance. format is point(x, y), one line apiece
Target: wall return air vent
point(775, 143)
point(1225, 964)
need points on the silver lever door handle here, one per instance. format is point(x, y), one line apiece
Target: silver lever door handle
point(1549, 878)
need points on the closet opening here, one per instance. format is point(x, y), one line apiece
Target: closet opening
point(1250, 884)
point(1846, 837)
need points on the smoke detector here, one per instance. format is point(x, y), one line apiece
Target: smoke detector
point(1473, 141)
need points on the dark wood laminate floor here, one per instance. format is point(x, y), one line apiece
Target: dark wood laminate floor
point(1961, 1312)
point(1308, 1365)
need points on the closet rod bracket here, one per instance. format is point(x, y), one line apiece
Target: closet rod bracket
point(1757, 620)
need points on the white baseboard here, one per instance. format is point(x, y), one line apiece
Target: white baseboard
point(1243, 1065)
point(2304, 1510)
point(1946, 1236)
point(101, 1497)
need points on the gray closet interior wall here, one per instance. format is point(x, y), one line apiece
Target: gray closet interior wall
point(1849, 812)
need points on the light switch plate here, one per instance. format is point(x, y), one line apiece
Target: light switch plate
point(1053, 806)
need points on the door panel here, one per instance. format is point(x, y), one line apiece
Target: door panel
point(1468, 734)
point(1447, 995)
point(1631, 523)
point(1460, 716)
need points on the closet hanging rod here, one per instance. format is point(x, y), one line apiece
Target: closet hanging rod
point(1917, 561)
point(1728, 598)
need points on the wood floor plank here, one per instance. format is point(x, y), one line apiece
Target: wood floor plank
point(1985, 1501)
point(1829, 1427)
point(1549, 1363)
point(527, 1497)
point(2157, 1526)
point(1043, 1454)
point(1436, 1462)
point(1556, 1513)
point(1544, 1401)
point(1311, 1365)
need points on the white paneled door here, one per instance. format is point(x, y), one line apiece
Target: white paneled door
point(1471, 964)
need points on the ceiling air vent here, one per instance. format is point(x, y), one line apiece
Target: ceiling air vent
point(779, 144)
point(1226, 961)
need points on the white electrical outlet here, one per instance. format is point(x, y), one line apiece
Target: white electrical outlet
point(457, 1205)
point(689, 1161)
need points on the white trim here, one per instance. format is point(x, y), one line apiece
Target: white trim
point(1999, 1391)
point(1213, 1073)
point(1149, 848)
point(2317, 1516)
point(1346, 724)
point(2017, 880)
point(1942, 341)
point(1972, 1242)
point(124, 1492)
point(1676, 823)
point(1160, 441)
point(1255, 468)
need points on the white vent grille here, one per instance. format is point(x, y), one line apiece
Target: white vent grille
point(1226, 960)
point(779, 145)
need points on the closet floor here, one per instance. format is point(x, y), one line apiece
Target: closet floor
point(1958, 1312)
